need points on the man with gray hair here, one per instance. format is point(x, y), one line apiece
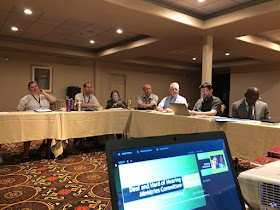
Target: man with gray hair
point(148, 100)
point(173, 98)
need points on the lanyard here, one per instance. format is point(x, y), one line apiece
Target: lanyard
point(85, 99)
point(39, 101)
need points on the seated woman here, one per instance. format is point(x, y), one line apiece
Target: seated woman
point(37, 99)
point(115, 101)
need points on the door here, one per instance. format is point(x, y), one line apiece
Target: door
point(118, 82)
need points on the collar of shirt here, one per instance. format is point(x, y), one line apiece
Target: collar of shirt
point(208, 99)
point(247, 105)
point(173, 99)
point(146, 97)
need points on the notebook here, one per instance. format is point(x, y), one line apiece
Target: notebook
point(178, 172)
point(179, 109)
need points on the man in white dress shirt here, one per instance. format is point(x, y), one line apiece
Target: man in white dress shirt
point(173, 98)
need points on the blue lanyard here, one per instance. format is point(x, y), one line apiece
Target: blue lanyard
point(39, 101)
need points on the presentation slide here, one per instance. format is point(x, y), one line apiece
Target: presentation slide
point(166, 183)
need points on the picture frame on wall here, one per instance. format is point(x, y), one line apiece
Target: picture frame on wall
point(43, 75)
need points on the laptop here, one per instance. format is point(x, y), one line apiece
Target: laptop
point(180, 109)
point(176, 172)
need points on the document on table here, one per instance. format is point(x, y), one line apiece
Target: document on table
point(42, 110)
point(224, 119)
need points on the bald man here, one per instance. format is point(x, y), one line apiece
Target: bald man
point(251, 107)
point(148, 100)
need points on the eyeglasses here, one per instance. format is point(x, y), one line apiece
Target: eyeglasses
point(204, 91)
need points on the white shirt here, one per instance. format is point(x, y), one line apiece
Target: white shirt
point(91, 99)
point(178, 99)
point(29, 103)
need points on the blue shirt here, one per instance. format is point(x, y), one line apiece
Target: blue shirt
point(178, 99)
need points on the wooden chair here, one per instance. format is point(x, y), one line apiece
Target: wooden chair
point(223, 109)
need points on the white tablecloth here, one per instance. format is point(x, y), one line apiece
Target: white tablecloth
point(246, 140)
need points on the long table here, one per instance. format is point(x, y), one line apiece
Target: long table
point(83, 124)
point(246, 140)
point(26, 126)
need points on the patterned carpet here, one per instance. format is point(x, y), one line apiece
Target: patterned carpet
point(79, 181)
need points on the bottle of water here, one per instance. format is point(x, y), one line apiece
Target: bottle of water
point(128, 103)
point(79, 105)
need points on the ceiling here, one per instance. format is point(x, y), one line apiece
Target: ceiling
point(166, 33)
point(206, 9)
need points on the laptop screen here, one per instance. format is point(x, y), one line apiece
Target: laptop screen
point(188, 175)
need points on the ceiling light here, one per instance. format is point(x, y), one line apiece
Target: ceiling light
point(14, 28)
point(91, 41)
point(28, 11)
point(194, 59)
point(119, 31)
point(200, 0)
point(227, 54)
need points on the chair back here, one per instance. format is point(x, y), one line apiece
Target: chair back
point(58, 105)
point(223, 109)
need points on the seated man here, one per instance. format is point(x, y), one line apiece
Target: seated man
point(89, 100)
point(148, 100)
point(251, 107)
point(173, 98)
point(208, 104)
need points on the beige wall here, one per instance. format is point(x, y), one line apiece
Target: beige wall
point(266, 77)
point(137, 77)
point(16, 72)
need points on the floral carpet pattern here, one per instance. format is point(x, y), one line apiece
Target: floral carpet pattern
point(79, 181)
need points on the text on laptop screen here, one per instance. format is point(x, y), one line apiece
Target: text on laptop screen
point(193, 175)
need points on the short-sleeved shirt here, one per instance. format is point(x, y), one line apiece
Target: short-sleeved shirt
point(152, 99)
point(91, 99)
point(29, 103)
point(178, 99)
point(213, 103)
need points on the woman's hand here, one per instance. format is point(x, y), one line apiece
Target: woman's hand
point(120, 103)
point(42, 91)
